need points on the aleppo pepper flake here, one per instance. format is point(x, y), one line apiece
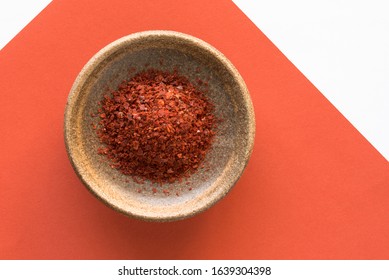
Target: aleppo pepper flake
point(156, 126)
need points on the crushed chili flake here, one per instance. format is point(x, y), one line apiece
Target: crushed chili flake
point(156, 126)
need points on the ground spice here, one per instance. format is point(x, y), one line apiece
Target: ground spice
point(157, 126)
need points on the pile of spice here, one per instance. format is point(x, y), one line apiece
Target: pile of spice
point(157, 126)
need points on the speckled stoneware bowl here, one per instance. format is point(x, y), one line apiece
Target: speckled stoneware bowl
point(193, 58)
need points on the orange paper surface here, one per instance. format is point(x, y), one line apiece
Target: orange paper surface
point(313, 189)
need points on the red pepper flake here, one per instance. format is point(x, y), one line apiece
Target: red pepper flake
point(166, 192)
point(157, 126)
point(135, 145)
point(137, 180)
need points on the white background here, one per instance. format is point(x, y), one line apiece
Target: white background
point(16, 14)
point(341, 46)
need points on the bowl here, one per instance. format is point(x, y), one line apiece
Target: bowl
point(224, 162)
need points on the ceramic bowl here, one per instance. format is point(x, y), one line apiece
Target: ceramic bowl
point(193, 58)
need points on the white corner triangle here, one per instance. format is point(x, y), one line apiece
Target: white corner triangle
point(342, 48)
point(15, 15)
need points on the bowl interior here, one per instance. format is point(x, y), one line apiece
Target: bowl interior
point(205, 67)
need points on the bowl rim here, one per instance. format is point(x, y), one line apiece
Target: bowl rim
point(108, 50)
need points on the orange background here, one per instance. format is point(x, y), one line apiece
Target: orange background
point(314, 187)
